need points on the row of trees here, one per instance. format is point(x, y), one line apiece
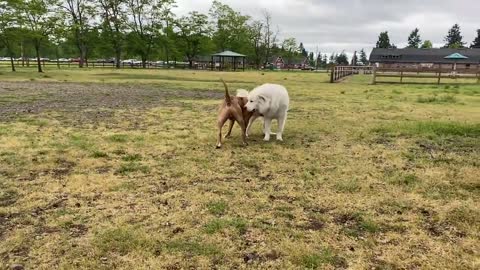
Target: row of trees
point(147, 29)
point(453, 39)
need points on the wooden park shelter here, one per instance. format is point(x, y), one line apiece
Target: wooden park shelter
point(228, 60)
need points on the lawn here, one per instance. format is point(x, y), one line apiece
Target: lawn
point(103, 169)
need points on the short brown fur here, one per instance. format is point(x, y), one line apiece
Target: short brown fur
point(233, 109)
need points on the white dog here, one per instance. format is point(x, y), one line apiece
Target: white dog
point(270, 101)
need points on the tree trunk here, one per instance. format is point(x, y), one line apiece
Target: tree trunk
point(22, 52)
point(144, 62)
point(83, 56)
point(118, 54)
point(37, 51)
point(56, 55)
point(12, 63)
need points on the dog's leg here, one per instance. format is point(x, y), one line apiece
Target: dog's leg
point(265, 132)
point(221, 121)
point(250, 123)
point(232, 122)
point(281, 125)
point(268, 125)
point(241, 122)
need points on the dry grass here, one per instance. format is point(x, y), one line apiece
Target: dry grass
point(368, 176)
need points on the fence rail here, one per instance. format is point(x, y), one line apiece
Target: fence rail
point(425, 73)
point(339, 72)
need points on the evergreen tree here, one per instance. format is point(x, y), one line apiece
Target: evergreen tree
point(414, 40)
point(311, 59)
point(363, 58)
point(302, 50)
point(384, 41)
point(476, 42)
point(454, 38)
point(341, 59)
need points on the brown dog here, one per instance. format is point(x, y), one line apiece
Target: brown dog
point(233, 109)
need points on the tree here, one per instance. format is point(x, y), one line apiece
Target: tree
point(414, 40)
point(476, 42)
point(363, 58)
point(427, 44)
point(256, 37)
point(311, 59)
point(7, 31)
point(145, 22)
point(354, 59)
point(269, 35)
point(79, 14)
point(193, 32)
point(302, 50)
point(168, 41)
point(384, 41)
point(290, 47)
point(454, 38)
point(39, 17)
point(231, 28)
point(341, 59)
point(113, 16)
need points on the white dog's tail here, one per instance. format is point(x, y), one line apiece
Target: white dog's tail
point(242, 93)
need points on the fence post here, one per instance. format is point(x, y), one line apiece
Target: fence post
point(401, 76)
point(331, 74)
point(374, 77)
point(439, 76)
point(478, 74)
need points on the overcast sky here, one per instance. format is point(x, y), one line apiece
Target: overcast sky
point(350, 25)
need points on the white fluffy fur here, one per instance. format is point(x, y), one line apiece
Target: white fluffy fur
point(271, 101)
point(242, 93)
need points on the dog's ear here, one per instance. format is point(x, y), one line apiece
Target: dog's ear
point(262, 98)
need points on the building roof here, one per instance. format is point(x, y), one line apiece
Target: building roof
point(412, 55)
point(229, 54)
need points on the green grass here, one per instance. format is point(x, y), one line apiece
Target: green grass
point(437, 99)
point(368, 177)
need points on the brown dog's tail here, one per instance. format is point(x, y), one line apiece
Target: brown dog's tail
point(227, 95)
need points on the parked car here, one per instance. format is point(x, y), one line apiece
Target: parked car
point(128, 61)
point(63, 60)
point(45, 59)
point(4, 58)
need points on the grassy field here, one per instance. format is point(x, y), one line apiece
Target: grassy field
point(103, 169)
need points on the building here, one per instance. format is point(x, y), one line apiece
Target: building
point(444, 58)
point(280, 62)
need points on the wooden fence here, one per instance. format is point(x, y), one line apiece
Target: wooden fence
point(63, 64)
point(424, 73)
point(339, 72)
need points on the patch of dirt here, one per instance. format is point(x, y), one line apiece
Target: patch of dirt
point(313, 225)
point(88, 102)
point(77, 230)
point(64, 168)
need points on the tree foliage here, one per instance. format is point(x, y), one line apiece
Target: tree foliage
point(384, 41)
point(414, 39)
point(454, 38)
point(427, 44)
point(476, 41)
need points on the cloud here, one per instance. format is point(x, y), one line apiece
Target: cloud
point(334, 26)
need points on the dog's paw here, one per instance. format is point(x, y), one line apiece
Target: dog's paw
point(218, 146)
